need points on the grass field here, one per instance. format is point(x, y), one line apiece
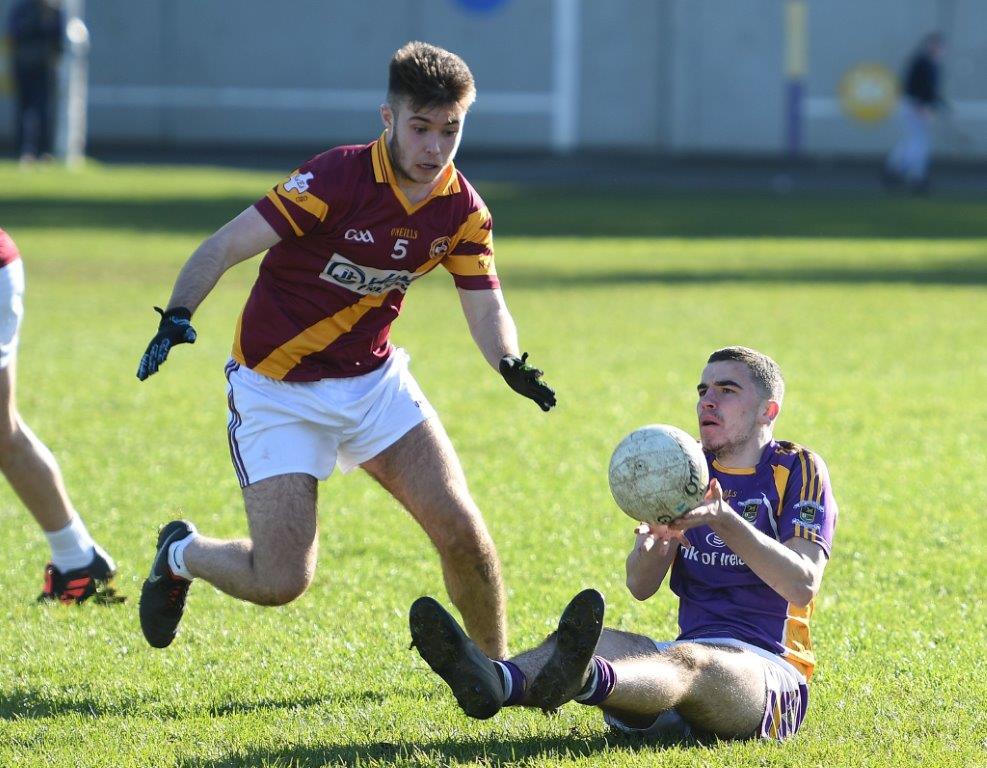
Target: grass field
point(875, 309)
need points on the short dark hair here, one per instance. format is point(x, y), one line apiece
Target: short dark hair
point(765, 371)
point(429, 76)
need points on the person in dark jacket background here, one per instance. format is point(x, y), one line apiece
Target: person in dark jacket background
point(35, 29)
point(908, 162)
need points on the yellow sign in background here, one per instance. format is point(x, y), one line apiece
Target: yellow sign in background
point(868, 92)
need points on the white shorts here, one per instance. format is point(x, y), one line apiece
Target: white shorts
point(280, 427)
point(785, 702)
point(11, 309)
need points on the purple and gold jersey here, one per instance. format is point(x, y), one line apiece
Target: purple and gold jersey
point(787, 495)
point(8, 249)
point(351, 245)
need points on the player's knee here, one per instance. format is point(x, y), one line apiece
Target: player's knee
point(690, 657)
point(281, 594)
point(467, 539)
point(12, 441)
point(287, 586)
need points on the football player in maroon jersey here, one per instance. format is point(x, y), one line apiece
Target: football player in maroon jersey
point(314, 380)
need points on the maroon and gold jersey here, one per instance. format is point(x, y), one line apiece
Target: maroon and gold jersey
point(8, 249)
point(351, 245)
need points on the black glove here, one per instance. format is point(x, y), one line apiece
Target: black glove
point(173, 329)
point(526, 380)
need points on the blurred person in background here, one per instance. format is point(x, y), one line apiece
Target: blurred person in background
point(35, 29)
point(79, 568)
point(908, 162)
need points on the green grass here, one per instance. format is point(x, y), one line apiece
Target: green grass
point(875, 309)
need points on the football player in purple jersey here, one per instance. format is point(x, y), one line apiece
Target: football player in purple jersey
point(313, 378)
point(746, 566)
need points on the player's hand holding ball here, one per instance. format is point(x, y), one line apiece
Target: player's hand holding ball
point(713, 506)
point(175, 328)
point(526, 380)
point(661, 536)
point(658, 473)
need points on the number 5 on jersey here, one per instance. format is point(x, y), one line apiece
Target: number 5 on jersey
point(400, 249)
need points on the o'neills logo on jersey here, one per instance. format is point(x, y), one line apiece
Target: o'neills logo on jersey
point(368, 281)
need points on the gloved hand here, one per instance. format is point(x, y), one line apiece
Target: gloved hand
point(175, 328)
point(526, 380)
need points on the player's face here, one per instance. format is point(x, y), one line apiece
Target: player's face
point(422, 142)
point(732, 411)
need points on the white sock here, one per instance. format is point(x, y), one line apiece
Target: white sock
point(176, 556)
point(505, 677)
point(71, 547)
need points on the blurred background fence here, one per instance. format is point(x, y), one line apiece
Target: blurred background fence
point(719, 77)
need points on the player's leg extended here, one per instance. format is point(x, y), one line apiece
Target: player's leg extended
point(79, 568)
point(272, 567)
point(28, 465)
point(558, 669)
point(571, 662)
point(718, 690)
point(277, 563)
point(482, 685)
point(421, 470)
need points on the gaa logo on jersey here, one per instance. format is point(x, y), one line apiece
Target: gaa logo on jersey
point(298, 182)
point(439, 247)
point(359, 235)
point(807, 510)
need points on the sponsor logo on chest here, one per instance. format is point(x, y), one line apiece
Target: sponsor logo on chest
point(367, 281)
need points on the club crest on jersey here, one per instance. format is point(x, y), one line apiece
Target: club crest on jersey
point(807, 510)
point(299, 182)
point(439, 247)
point(749, 508)
point(367, 281)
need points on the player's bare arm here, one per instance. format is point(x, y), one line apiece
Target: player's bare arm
point(794, 569)
point(238, 240)
point(494, 332)
point(648, 562)
point(490, 324)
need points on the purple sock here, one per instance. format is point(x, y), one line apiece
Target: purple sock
point(513, 675)
point(600, 684)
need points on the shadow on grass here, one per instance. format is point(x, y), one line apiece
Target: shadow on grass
point(497, 751)
point(185, 216)
point(28, 705)
point(968, 271)
point(561, 213)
